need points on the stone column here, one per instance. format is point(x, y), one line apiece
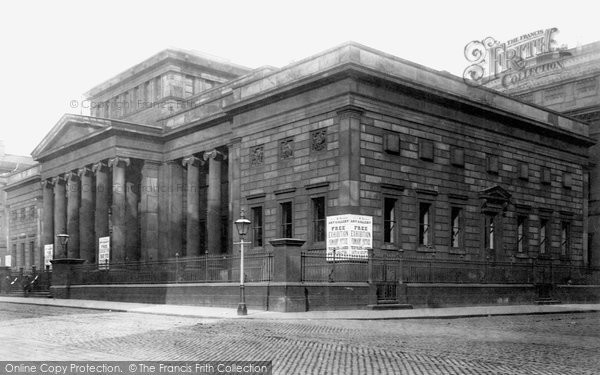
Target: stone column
point(48, 213)
point(86, 217)
point(170, 208)
point(192, 209)
point(149, 211)
point(73, 214)
point(349, 162)
point(131, 218)
point(213, 200)
point(119, 208)
point(233, 159)
point(102, 198)
point(60, 215)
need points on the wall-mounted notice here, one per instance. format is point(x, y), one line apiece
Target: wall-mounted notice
point(349, 236)
point(48, 255)
point(103, 252)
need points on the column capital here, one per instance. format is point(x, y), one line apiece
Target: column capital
point(71, 176)
point(99, 167)
point(59, 180)
point(191, 161)
point(85, 171)
point(47, 184)
point(118, 161)
point(214, 154)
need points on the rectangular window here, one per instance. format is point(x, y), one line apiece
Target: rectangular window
point(147, 92)
point(565, 238)
point(543, 236)
point(31, 253)
point(22, 256)
point(257, 226)
point(318, 219)
point(188, 86)
point(521, 233)
point(456, 223)
point(425, 224)
point(490, 231)
point(14, 256)
point(389, 220)
point(286, 220)
point(157, 88)
point(126, 102)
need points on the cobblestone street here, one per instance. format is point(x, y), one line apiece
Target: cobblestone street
point(532, 344)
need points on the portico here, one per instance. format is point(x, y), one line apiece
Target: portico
point(131, 198)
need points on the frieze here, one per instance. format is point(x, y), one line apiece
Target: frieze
point(318, 140)
point(286, 149)
point(257, 156)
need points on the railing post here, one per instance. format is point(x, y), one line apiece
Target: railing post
point(205, 267)
point(370, 266)
point(332, 275)
point(176, 268)
point(429, 278)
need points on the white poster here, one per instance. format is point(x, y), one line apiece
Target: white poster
point(103, 252)
point(349, 236)
point(48, 254)
point(8, 260)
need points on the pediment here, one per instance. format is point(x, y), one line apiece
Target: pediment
point(494, 199)
point(495, 192)
point(69, 130)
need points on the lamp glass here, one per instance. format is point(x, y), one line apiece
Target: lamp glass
point(242, 225)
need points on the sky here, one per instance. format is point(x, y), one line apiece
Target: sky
point(55, 51)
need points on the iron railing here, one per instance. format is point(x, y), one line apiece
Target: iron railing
point(258, 267)
point(26, 280)
point(394, 266)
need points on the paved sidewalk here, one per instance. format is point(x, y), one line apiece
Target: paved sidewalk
point(231, 313)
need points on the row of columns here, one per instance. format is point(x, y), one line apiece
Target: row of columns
point(213, 202)
point(69, 206)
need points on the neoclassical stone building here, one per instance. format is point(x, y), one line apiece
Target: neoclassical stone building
point(573, 88)
point(177, 145)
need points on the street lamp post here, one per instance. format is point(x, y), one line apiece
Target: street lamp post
point(242, 225)
point(63, 239)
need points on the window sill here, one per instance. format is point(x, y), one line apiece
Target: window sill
point(522, 255)
point(457, 251)
point(389, 246)
point(426, 249)
point(544, 256)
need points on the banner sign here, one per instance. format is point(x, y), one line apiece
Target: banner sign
point(48, 254)
point(349, 236)
point(103, 252)
point(8, 260)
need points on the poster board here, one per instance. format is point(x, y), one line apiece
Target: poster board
point(48, 255)
point(349, 237)
point(103, 253)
